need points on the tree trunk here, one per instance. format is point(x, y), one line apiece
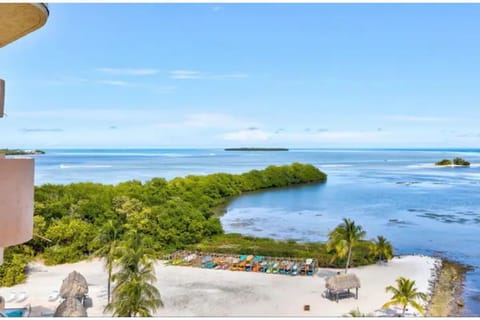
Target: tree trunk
point(348, 258)
point(108, 284)
point(403, 312)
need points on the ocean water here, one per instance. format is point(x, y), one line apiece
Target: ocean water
point(420, 208)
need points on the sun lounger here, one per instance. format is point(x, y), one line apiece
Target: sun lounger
point(53, 296)
point(294, 270)
point(12, 296)
point(22, 296)
point(275, 268)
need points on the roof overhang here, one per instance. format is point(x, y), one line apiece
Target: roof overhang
point(19, 19)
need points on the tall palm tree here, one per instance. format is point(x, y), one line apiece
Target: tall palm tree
point(381, 248)
point(135, 294)
point(343, 238)
point(108, 238)
point(405, 294)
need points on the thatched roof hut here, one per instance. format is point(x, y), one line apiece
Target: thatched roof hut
point(70, 307)
point(74, 285)
point(340, 283)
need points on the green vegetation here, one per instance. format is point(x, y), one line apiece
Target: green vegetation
point(169, 215)
point(356, 313)
point(457, 161)
point(444, 162)
point(135, 294)
point(381, 248)
point(342, 240)
point(107, 239)
point(405, 294)
point(460, 162)
point(234, 243)
point(18, 152)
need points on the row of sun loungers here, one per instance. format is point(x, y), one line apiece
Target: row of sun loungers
point(14, 297)
point(248, 263)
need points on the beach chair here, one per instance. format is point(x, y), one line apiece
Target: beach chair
point(310, 267)
point(276, 267)
point(207, 262)
point(302, 269)
point(22, 296)
point(53, 295)
point(288, 268)
point(11, 297)
point(294, 269)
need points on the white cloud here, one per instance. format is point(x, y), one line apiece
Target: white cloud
point(216, 8)
point(129, 71)
point(192, 75)
point(247, 136)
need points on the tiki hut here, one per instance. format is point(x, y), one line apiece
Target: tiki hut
point(70, 307)
point(74, 285)
point(339, 285)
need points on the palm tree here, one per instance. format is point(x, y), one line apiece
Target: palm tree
point(381, 248)
point(355, 313)
point(405, 294)
point(134, 294)
point(108, 238)
point(343, 238)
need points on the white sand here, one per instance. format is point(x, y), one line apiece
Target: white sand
point(188, 291)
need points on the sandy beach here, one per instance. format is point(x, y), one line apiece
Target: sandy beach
point(188, 291)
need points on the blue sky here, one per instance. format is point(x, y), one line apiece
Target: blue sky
point(218, 75)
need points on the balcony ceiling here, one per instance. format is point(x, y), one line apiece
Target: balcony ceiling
point(19, 19)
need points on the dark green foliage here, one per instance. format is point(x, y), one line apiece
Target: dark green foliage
point(16, 152)
point(234, 243)
point(460, 162)
point(170, 215)
point(444, 162)
point(134, 293)
point(15, 260)
point(457, 161)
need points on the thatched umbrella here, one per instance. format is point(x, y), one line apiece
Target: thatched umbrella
point(74, 285)
point(341, 282)
point(70, 307)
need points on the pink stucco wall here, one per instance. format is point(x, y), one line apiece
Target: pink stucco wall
point(16, 201)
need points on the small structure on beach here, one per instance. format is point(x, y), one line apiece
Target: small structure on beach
point(74, 290)
point(70, 307)
point(339, 285)
point(74, 285)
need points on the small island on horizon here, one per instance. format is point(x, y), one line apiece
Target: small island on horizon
point(255, 149)
point(455, 162)
point(20, 152)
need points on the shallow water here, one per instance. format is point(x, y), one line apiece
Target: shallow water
point(420, 208)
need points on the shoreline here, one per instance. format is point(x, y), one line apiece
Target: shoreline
point(447, 290)
point(189, 291)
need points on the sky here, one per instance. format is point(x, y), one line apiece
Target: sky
point(228, 75)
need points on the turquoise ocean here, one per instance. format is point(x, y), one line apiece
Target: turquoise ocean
point(398, 193)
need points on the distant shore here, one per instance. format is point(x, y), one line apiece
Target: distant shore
point(20, 152)
point(255, 149)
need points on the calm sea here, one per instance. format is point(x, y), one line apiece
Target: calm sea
point(420, 208)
